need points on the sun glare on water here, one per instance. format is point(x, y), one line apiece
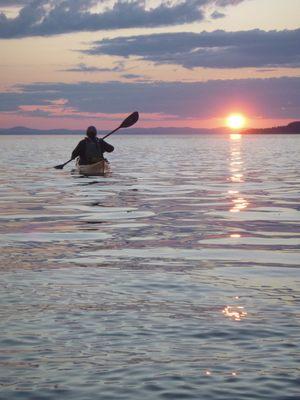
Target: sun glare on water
point(236, 121)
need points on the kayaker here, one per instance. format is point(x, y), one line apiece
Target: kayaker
point(90, 150)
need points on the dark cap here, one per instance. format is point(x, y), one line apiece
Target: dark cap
point(91, 131)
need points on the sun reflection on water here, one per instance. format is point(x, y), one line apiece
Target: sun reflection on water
point(236, 162)
point(235, 313)
point(236, 173)
point(238, 204)
point(235, 136)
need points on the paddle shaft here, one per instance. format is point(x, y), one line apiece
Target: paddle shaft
point(110, 133)
point(71, 159)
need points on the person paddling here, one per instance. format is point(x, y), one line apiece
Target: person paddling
point(90, 150)
point(96, 146)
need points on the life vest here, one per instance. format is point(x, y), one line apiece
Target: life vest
point(93, 153)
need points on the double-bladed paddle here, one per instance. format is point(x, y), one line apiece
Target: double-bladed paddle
point(129, 121)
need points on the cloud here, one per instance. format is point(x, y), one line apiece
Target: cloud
point(224, 3)
point(218, 49)
point(12, 3)
point(119, 67)
point(89, 68)
point(133, 76)
point(268, 98)
point(217, 15)
point(51, 17)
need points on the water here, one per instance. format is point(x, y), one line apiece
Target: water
point(174, 277)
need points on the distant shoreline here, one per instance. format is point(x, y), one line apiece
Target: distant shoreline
point(291, 128)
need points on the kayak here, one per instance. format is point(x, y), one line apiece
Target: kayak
point(98, 168)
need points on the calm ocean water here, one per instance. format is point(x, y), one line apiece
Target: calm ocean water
point(174, 277)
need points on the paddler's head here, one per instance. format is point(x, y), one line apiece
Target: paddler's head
point(91, 132)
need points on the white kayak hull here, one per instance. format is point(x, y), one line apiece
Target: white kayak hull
point(99, 168)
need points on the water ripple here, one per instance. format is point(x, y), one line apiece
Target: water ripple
point(175, 276)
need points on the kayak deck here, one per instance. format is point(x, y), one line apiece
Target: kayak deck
point(99, 168)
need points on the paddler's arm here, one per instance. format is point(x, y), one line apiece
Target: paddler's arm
point(78, 149)
point(106, 146)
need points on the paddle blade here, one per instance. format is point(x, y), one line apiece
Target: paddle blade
point(131, 120)
point(62, 165)
point(59, 166)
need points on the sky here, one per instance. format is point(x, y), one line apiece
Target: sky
point(180, 63)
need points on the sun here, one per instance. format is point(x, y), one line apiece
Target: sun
point(236, 121)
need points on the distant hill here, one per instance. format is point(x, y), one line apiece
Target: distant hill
point(292, 128)
point(21, 130)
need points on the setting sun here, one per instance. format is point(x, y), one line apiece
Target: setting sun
point(236, 121)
